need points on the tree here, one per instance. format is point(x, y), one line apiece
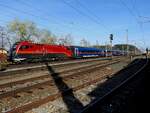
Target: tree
point(23, 30)
point(66, 40)
point(84, 43)
point(47, 37)
point(4, 40)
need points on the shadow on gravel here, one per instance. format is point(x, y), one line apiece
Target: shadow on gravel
point(72, 103)
point(132, 101)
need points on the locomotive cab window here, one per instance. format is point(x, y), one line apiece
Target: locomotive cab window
point(68, 48)
point(24, 47)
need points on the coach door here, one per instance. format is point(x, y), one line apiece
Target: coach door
point(76, 51)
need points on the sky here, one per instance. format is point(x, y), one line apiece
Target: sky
point(93, 20)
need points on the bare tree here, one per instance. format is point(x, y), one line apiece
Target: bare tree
point(22, 30)
point(47, 37)
point(84, 43)
point(66, 40)
point(4, 40)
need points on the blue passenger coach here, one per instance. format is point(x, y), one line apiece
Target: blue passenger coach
point(80, 52)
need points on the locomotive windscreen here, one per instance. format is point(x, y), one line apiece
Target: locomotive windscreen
point(13, 51)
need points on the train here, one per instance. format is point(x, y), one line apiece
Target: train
point(29, 51)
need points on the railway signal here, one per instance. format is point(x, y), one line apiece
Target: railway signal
point(147, 52)
point(111, 39)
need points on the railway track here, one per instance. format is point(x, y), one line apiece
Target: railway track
point(87, 86)
point(31, 64)
point(66, 74)
point(43, 71)
point(72, 70)
point(112, 101)
point(26, 64)
point(42, 66)
point(75, 78)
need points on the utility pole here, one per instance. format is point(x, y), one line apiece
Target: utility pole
point(8, 42)
point(123, 49)
point(127, 42)
point(2, 37)
point(147, 52)
point(2, 42)
point(106, 49)
point(135, 48)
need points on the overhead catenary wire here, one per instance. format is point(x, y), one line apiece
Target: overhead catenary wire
point(134, 16)
point(30, 14)
point(39, 10)
point(133, 2)
point(25, 12)
point(33, 15)
point(140, 22)
point(92, 14)
point(144, 17)
point(83, 14)
point(10, 16)
point(22, 11)
point(147, 19)
point(130, 11)
point(26, 3)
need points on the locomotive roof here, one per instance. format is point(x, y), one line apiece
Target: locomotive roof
point(30, 42)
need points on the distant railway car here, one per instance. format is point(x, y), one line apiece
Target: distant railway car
point(82, 52)
point(108, 53)
point(27, 50)
point(117, 53)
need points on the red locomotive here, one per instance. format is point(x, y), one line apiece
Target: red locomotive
point(27, 50)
